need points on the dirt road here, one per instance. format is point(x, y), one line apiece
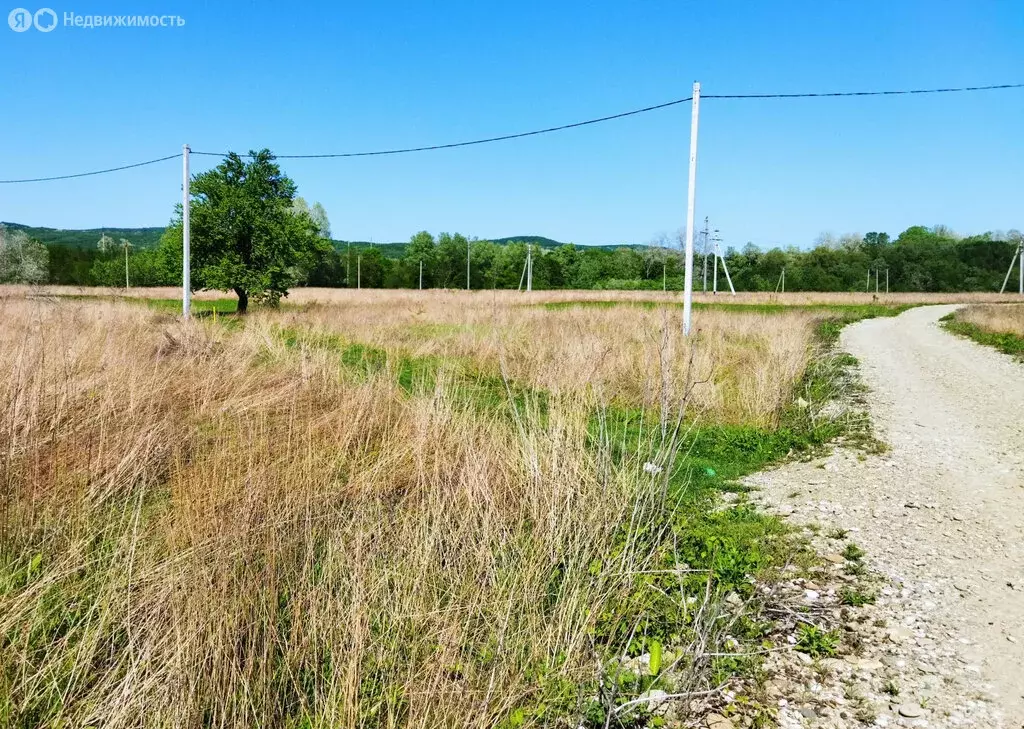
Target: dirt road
point(941, 516)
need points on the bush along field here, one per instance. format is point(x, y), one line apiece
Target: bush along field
point(426, 511)
point(998, 326)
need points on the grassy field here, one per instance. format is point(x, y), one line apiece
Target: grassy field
point(1000, 326)
point(378, 509)
point(341, 296)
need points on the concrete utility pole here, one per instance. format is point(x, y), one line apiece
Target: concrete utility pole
point(725, 266)
point(529, 267)
point(705, 239)
point(1018, 253)
point(467, 265)
point(887, 282)
point(421, 274)
point(186, 238)
point(690, 200)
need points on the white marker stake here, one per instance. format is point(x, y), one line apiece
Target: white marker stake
point(690, 199)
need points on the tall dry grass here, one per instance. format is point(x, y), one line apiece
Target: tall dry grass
point(799, 298)
point(1003, 319)
point(746, 362)
point(349, 296)
point(207, 528)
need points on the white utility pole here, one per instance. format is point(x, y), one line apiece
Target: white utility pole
point(876, 282)
point(705, 239)
point(186, 238)
point(714, 277)
point(421, 274)
point(887, 282)
point(126, 284)
point(529, 268)
point(1018, 253)
point(690, 200)
point(725, 266)
point(467, 265)
point(867, 286)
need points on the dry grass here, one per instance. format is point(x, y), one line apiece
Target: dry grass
point(995, 319)
point(351, 296)
point(207, 528)
point(747, 362)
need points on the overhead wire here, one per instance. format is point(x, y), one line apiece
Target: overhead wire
point(94, 172)
point(546, 130)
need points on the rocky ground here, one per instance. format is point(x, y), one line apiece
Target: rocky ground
point(940, 519)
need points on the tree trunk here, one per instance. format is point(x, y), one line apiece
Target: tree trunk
point(243, 300)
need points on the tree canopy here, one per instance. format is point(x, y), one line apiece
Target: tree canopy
point(918, 259)
point(22, 260)
point(246, 235)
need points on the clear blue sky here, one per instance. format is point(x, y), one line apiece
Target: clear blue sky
point(339, 77)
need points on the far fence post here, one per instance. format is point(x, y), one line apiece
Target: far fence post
point(186, 238)
point(359, 271)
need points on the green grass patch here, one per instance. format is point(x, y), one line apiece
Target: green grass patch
point(420, 375)
point(729, 548)
point(1005, 342)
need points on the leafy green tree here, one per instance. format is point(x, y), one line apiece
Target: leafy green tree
point(22, 260)
point(421, 249)
point(371, 268)
point(245, 235)
point(319, 216)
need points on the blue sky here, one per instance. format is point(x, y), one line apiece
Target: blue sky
point(340, 77)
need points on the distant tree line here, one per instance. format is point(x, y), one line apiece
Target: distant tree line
point(919, 259)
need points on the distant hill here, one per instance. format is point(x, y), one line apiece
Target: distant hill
point(139, 237)
point(537, 240)
point(150, 237)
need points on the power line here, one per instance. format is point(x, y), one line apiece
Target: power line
point(472, 142)
point(95, 172)
point(899, 92)
point(548, 130)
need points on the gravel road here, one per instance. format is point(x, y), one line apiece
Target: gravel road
point(941, 517)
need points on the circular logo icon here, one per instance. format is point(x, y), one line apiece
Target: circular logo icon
point(45, 20)
point(20, 20)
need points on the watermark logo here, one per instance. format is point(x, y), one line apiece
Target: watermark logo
point(45, 19)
